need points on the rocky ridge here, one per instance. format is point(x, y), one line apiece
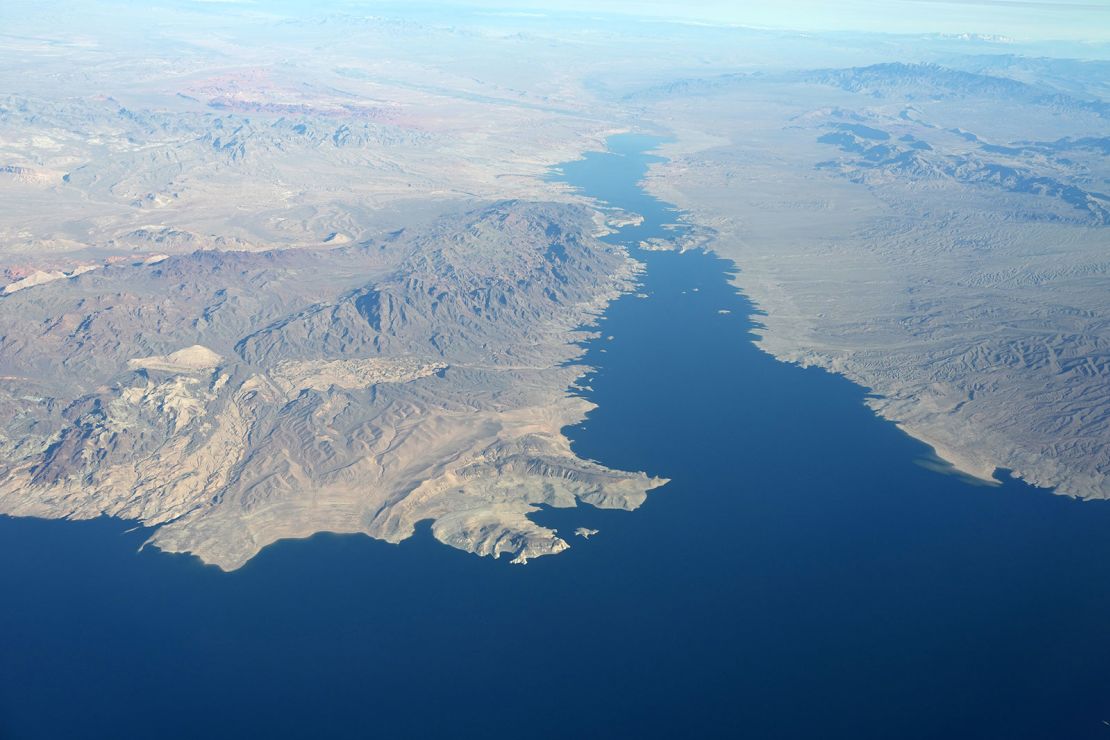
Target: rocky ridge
point(233, 399)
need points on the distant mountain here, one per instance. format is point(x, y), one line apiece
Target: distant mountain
point(893, 80)
point(914, 82)
point(1079, 77)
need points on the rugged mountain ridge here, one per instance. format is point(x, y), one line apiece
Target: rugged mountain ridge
point(233, 399)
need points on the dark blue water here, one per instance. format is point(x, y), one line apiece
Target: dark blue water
point(800, 577)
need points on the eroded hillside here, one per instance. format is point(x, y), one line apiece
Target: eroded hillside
point(234, 399)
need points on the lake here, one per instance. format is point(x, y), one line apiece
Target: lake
point(805, 574)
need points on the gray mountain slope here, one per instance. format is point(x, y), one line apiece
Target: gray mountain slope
point(233, 399)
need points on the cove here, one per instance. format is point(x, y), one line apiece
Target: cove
point(801, 576)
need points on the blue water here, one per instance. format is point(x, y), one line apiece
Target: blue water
point(802, 576)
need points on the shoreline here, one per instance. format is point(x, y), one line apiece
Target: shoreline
point(784, 296)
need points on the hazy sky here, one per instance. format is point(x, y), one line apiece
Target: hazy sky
point(1024, 19)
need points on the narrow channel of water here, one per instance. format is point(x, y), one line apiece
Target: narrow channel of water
point(800, 577)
